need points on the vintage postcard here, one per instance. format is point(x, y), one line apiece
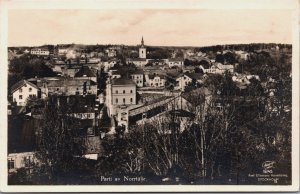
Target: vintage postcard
point(144, 96)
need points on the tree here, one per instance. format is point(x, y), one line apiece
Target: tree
point(220, 58)
point(57, 144)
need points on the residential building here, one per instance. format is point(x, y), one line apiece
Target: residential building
point(175, 62)
point(23, 90)
point(138, 77)
point(21, 160)
point(139, 62)
point(62, 51)
point(121, 92)
point(218, 68)
point(187, 78)
point(111, 52)
point(40, 51)
point(182, 81)
point(155, 80)
point(66, 86)
point(242, 54)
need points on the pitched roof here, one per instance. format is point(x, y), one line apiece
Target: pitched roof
point(85, 72)
point(69, 82)
point(122, 81)
point(20, 84)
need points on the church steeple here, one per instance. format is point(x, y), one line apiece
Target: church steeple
point(142, 50)
point(142, 42)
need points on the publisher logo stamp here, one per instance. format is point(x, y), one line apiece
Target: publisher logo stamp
point(268, 166)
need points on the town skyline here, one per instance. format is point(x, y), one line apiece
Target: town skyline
point(158, 27)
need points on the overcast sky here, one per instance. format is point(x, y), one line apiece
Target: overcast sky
point(159, 27)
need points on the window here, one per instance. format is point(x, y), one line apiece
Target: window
point(123, 100)
point(57, 89)
point(20, 97)
point(130, 100)
point(20, 90)
point(30, 89)
point(116, 100)
point(116, 91)
point(130, 91)
point(77, 89)
point(123, 91)
point(11, 164)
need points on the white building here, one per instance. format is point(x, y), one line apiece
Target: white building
point(111, 52)
point(173, 62)
point(40, 51)
point(20, 160)
point(120, 92)
point(23, 90)
point(185, 79)
point(155, 80)
point(182, 81)
point(218, 68)
point(120, 96)
point(62, 51)
point(242, 54)
point(138, 77)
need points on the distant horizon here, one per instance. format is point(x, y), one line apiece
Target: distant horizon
point(164, 27)
point(147, 45)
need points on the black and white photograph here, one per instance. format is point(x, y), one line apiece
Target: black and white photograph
point(186, 96)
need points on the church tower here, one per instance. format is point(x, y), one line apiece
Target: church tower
point(142, 50)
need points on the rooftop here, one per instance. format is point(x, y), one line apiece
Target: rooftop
point(85, 72)
point(20, 84)
point(122, 81)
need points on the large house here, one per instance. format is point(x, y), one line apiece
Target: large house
point(40, 51)
point(120, 92)
point(23, 90)
point(155, 80)
point(218, 68)
point(21, 160)
point(121, 95)
point(66, 86)
point(111, 52)
point(187, 78)
point(175, 62)
point(138, 77)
